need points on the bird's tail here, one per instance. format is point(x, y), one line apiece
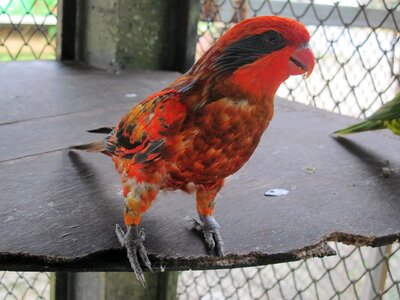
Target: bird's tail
point(105, 130)
point(97, 146)
point(362, 126)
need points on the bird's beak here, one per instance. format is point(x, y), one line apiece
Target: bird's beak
point(302, 61)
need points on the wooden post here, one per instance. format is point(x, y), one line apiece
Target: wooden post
point(376, 284)
point(66, 29)
point(59, 286)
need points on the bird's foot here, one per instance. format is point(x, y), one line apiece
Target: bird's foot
point(211, 231)
point(133, 240)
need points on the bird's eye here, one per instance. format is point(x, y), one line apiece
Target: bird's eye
point(273, 38)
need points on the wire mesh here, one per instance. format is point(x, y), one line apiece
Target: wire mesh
point(355, 273)
point(356, 45)
point(28, 29)
point(24, 285)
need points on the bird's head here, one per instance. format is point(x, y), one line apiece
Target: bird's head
point(256, 55)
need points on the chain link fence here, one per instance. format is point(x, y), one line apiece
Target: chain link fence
point(24, 285)
point(356, 44)
point(28, 29)
point(355, 273)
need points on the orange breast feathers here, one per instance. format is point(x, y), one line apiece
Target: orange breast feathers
point(219, 140)
point(141, 135)
point(161, 138)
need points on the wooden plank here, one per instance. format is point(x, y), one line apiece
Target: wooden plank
point(53, 133)
point(44, 88)
point(58, 210)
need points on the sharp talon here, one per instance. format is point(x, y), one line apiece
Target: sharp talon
point(196, 225)
point(132, 240)
point(143, 255)
point(120, 234)
point(148, 266)
point(142, 234)
point(219, 244)
point(212, 236)
point(143, 281)
point(208, 236)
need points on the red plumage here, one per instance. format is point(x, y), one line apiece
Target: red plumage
point(204, 126)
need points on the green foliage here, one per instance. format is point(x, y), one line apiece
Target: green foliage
point(34, 7)
point(388, 116)
point(13, 47)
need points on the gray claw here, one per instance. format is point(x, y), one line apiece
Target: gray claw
point(211, 232)
point(195, 224)
point(133, 242)
point(219, 244)
point(120, 234)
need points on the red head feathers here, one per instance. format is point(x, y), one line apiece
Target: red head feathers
point(257, 55)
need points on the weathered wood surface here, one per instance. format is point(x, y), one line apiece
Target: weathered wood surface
point(58, 208)
point(41, 89)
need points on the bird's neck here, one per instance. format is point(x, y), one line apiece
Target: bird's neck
point(260, 81)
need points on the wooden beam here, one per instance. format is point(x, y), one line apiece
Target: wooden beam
point(59, 207)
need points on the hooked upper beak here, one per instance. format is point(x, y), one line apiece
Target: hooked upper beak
point(302, 61)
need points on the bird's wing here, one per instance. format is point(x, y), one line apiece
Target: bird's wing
point(141, 134)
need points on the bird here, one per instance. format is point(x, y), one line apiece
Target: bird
point(386, 117)
point(203, 127)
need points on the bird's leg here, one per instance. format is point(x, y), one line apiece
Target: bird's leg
point(211, 232)
point(205, 200)
point(138, 199)
point(133, 240)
